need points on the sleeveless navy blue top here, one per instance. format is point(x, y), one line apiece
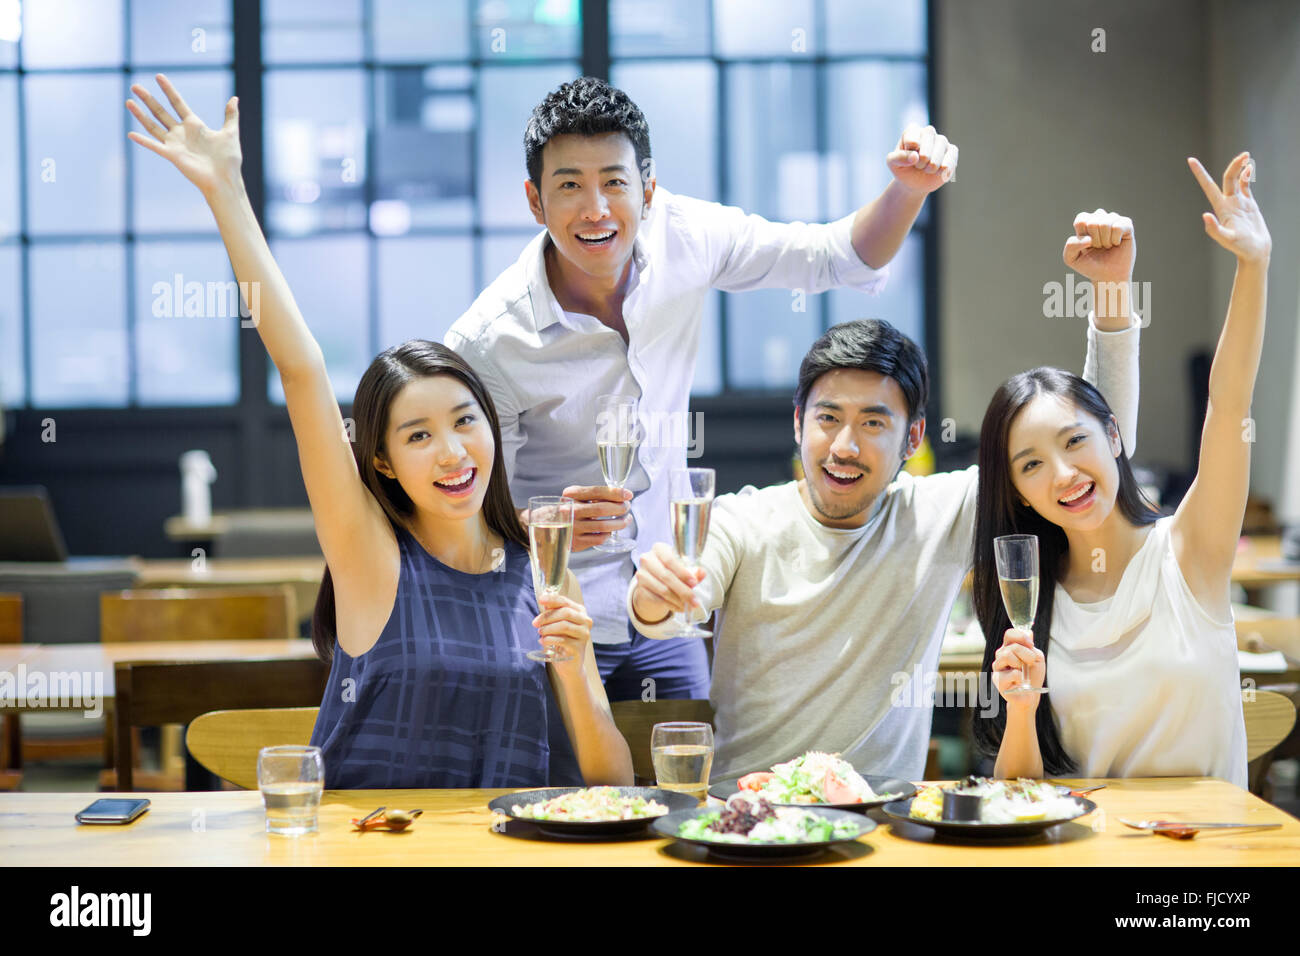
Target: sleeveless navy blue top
point(446, 698)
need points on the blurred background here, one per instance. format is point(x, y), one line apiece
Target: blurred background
point(383, 154)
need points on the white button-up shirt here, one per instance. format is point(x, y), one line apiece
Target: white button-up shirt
point(545, 368)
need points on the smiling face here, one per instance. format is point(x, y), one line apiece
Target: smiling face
point(439, 446)
point(1062, 462)
point(591, 201)
point(853, 435)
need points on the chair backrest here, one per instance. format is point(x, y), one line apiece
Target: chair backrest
point(227, 742)
point(635, 720)
point(1269, 719)
point(199, 614)
point(11, 618)
point(151, 693)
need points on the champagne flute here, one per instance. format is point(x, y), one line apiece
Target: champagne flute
point(616, 444)
point(691, 498)
point(1017, 558)
point(550, 535)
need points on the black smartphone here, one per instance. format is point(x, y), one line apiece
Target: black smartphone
point(110, 810)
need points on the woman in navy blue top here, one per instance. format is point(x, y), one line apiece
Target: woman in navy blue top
point(427, 605)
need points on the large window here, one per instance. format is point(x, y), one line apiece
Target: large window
point(392, 170)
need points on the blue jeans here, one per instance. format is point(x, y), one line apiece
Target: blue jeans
point(678, 667)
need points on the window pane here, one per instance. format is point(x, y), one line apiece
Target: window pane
point(680, 104)
point(773, 165)
point(708, 361)
point(859, 148)
point(330, 279)
point(163, 200)
point(312, 31)
point(901, 304)
point(507, 96)
point(679, 27)
point(501, 252)
point(875, 26)
point(524, 29)
point(424, 286)
point(13, 386)
point(11, 30)
point(315, 150)
point(73, 188)
point(406, 30)
point(9, 207)
point(193, 33)
point(72, 33)
point(186, 324)
point(78, 328)
point(764, 27)
point(424, 139)
point(766, 338)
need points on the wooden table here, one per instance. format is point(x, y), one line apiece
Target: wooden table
point(302, 573)
point(1259, 562)
point(99, 658)
point(227, 828)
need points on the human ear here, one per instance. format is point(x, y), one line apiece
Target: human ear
point(534, 202)
point(383, 468)
point(1113, 436)
point(915, 435)
point(798, 426)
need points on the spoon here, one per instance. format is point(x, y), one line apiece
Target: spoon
point(400, 819)
point(1185, 831)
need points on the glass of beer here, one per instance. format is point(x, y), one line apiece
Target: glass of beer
point(291, 779)
point(682, 752)
point(550, 535)
point(1017, 558)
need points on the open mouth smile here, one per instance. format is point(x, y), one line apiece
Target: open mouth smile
point(459, 484)
point(1080, 497)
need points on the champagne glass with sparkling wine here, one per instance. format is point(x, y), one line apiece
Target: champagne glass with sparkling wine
point(691, 498)
point(616, 443)
point(550, 535)
point(1017, 557)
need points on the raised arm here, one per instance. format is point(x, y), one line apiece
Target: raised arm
point(922, 161)
point(1207, 524)
point(349, 521)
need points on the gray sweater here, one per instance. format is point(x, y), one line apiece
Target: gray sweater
point(823, 632)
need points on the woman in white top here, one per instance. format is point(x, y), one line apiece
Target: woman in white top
point(1133, 608)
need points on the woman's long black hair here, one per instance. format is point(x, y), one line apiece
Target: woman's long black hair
point(387, 375)
point(999, 512)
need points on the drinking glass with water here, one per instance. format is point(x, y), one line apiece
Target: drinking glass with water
point(291, 779)
point(682, 752)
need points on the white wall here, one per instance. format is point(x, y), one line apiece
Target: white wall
point(1048, 128)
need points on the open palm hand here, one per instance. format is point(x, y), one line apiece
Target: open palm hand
point(206, 157)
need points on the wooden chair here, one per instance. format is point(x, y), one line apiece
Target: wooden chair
point(635, 720)
point(11, 735)
point(227, 742)
point(177, 692)
point(1269, 720)
point(181, 614)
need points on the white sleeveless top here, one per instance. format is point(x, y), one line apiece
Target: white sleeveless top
point(1147, 683)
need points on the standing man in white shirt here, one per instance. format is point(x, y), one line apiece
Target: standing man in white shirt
point(609, 299)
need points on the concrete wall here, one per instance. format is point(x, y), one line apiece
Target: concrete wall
point(1048, 128)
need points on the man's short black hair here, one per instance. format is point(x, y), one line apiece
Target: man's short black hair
point(872, 345)
point(588, 107)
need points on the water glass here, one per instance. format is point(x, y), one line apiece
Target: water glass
point(682, 752)
point(291, 779)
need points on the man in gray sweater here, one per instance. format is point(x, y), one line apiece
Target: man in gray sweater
point(830, 586)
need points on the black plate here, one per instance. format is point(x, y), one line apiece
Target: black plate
point(669, 825)
point(891, 785)
point(673, 801)
point(971, 829)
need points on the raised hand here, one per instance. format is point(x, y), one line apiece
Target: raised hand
point(206, 157)
point(1016, 660)
point(923, 160)
point(1103, 247)
point(1236, 223)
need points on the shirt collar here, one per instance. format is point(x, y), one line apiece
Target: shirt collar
point(546, 308)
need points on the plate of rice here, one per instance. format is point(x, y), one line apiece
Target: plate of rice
point(591, 811)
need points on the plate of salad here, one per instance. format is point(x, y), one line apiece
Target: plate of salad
point(818, 779)
point(984, 807)
point(591, 811)
point(749, 826)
